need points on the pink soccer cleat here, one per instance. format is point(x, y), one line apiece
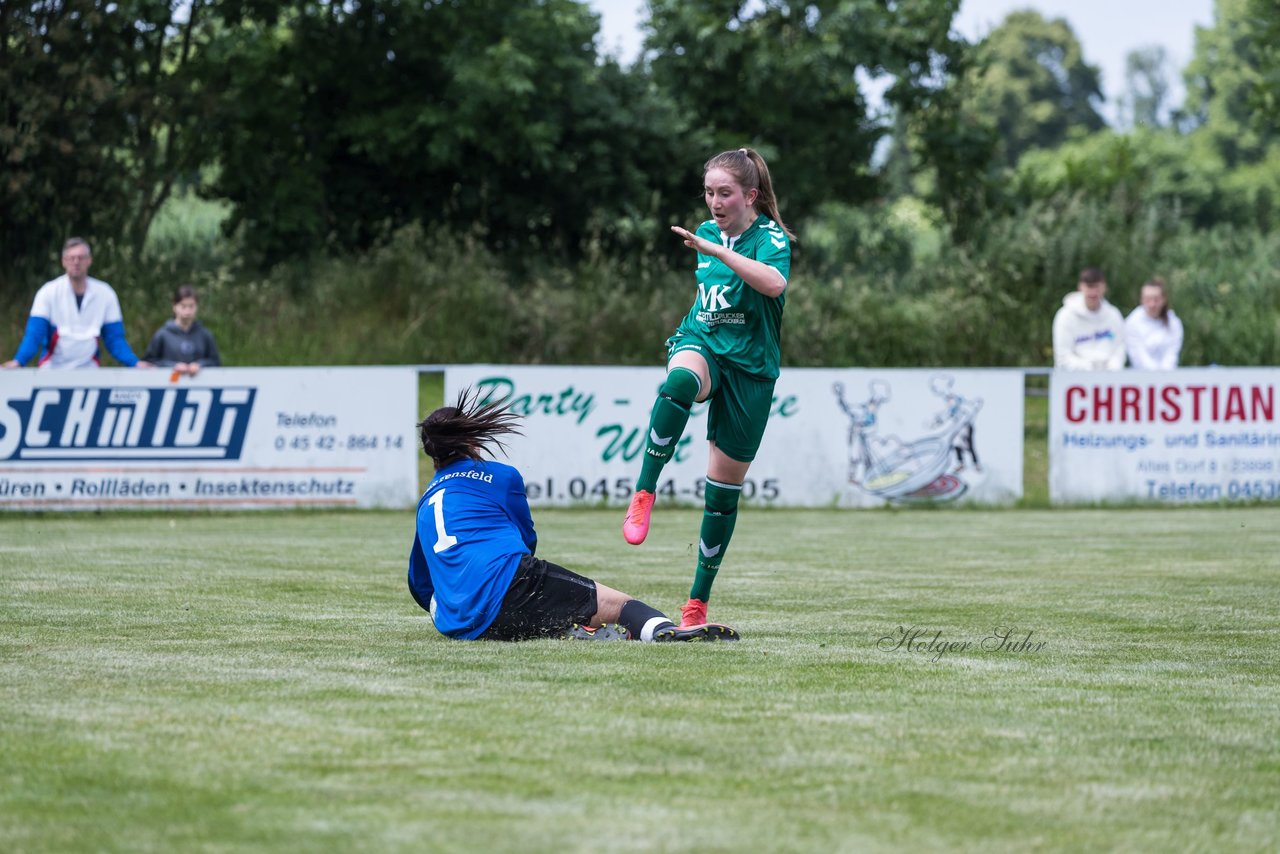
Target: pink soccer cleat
point(636, 526)
point(694, 613)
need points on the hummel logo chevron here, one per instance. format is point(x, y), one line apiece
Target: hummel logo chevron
point(660, 441)
point(706, 552)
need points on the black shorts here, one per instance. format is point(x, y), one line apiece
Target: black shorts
point(544, 600)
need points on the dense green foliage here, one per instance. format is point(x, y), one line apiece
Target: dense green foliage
point(768, 75)
point(352, 120)
point(474, 181)
point(101, 111)
point(1147, 87)
point(438, 297)
point(1034, 82)
point(1266, 95)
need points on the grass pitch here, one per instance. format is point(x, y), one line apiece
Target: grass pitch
point(263, 682)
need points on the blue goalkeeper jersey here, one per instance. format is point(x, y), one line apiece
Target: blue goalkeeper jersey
point(473, 527)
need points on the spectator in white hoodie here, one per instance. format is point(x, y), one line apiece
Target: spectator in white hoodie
point(1152, 332)
point(1088, 331)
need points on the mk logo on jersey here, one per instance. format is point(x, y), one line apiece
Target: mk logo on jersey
point(63, 424)
point(713, 297)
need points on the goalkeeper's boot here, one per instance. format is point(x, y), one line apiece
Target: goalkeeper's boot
point(636, 526)
point(704, 632)
point(609, 631)
point(694, 613)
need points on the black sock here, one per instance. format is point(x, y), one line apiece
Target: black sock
point(636, 617)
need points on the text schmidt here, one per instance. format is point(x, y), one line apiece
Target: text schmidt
point(1169, 402)
point(94, 423)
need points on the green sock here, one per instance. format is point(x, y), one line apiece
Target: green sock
point(717, 527)
point(666, 424)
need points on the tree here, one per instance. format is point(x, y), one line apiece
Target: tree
point(783, 78)
point(1035, 84)
point(1146, 87)
point(1266, 25)
point(960, 150)
point(1133, 171)
point(1223, 80)
point(349, 119)
point(99, 116)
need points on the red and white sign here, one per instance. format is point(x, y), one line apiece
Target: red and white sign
point(1194, 435)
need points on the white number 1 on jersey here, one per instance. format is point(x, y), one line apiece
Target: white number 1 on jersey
point(443, 540)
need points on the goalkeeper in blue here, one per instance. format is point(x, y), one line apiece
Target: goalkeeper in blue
point(472, 566)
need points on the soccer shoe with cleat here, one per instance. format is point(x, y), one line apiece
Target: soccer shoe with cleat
point(636, 526)
point(704, 632)
point(609, 631)
point(694, 613)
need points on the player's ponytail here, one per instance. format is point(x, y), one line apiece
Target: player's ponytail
point(466, 430)
point(752, 173)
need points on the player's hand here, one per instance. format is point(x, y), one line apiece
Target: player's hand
point(693, 241)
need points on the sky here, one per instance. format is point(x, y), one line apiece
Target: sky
point(1107, 29)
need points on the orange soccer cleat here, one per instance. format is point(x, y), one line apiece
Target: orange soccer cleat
point(694, 613)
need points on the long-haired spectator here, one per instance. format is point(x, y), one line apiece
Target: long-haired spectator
point(1152, 331)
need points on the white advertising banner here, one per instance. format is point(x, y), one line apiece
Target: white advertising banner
point(228, 438)
point(1191, 435)
point(846, 438)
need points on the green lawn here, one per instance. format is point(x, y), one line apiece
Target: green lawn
point(254, 682)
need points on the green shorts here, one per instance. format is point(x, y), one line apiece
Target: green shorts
point(738, 405)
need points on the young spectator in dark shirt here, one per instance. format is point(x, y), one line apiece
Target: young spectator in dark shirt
point(183, 342)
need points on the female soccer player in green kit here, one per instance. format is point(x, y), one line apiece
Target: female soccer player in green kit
point(727, 349)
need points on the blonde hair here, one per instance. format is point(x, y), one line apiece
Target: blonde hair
point(752, 173)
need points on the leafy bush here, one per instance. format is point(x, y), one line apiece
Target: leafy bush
point(427, 297)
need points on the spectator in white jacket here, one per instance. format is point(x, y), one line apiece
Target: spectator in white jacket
point(71, 316)
point(1152, 332)
point(1088, 331)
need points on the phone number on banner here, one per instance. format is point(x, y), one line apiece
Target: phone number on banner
point(620, 489)
point(350, 442)
point(1197, 490)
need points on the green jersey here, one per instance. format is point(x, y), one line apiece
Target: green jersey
point(740, 325)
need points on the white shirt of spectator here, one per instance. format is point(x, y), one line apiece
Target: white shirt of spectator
point(1152, 345)
point(1086, 340)
point(78, 328)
